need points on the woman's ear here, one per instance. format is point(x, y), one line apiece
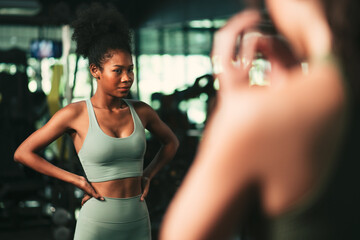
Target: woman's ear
point(95, 71)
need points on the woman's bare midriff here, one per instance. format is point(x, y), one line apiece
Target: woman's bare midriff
point(119, 188)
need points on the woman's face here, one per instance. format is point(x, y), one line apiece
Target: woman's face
point(117, 76)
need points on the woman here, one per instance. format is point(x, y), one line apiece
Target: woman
point(108, 134)
point(280, 163)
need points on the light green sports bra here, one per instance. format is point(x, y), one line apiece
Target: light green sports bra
point(107, 158)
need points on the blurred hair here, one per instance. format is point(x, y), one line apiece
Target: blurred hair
point(344, 20)
point(98, 31)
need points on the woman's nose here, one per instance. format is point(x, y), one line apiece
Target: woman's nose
point(126, 77)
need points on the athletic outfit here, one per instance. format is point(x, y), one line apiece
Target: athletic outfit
point(107, 158)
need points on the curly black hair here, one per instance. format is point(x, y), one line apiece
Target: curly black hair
point(99, 30)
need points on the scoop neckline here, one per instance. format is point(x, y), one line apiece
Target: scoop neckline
point(103, 133)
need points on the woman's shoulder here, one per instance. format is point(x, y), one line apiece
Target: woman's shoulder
point(144, 111)
point(69, 117)
point(72, 110)
point(139, 105)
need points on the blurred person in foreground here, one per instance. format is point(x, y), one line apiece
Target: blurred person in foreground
point(279, 162)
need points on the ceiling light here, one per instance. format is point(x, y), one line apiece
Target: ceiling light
point(19, 7)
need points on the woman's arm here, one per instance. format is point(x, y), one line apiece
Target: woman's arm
point(59, 124)
point(169, 144)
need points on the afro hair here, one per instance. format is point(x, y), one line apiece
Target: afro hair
point(99, 30)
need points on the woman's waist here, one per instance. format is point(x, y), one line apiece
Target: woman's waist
point(119, 188)
point(114, 210)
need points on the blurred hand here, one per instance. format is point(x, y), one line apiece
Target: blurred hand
point(145, 184)
point(232, 70)
point(280, 55)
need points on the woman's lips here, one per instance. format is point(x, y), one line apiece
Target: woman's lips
point(124, 89)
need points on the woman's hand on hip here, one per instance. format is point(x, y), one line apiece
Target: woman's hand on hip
point(145, 185)
point(85, 198)
point(89, 191)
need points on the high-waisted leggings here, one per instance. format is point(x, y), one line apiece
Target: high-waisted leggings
point(113, 219)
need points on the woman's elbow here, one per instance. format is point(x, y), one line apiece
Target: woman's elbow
point(176, 143)
point(19, 156)
point(172, 143)
point(174, 146)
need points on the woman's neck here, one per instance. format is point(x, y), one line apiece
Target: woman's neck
point(107, 102)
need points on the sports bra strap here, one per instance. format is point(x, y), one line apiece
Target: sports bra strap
point(91, 113)
point(135, 116)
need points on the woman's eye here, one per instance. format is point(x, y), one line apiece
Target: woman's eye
point(130, 70)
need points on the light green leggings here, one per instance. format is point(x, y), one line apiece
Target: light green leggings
point(113, 219)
